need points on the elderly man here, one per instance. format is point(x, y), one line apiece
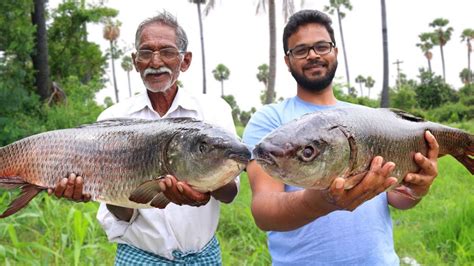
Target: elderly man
point(176, 234)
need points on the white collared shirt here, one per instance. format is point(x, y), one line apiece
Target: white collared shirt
point(183, 228)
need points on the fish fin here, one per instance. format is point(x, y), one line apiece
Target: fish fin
point(467, 159)
point(145, 192)
point(11, 182)
point(353, 180)
point(406, 115)
point(160, 201)
point(124, 121)
point(114, 122)
point(28, 192)
point(405, 191)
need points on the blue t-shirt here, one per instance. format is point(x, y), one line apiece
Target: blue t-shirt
point(361, 237)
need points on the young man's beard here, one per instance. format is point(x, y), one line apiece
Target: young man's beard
point(315, 85)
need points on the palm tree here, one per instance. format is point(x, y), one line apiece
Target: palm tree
point(127, 65)
point(369, 84)
point(360, 79)
point(442, 36)
point(208, 7)
point(426, 45)
point(263, 76)
point(111, 33)
point(466, 76)
point(385, 99)
point(40, 57)
point(335, 6)
point(221, 73)
point(468, 35)
point(288, 9)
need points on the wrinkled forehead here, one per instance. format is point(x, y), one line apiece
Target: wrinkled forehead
point(157, 34)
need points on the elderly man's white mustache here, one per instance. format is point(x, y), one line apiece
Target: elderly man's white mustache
point(159, 70)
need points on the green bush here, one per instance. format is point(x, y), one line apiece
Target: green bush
point(451, 112)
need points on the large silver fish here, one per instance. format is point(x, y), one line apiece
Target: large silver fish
point(121, 159)
point(311, 151)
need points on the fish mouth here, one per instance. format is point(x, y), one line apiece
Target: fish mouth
point(263, 157)
point(240, 158)
point(266, 160)
point(241, 155)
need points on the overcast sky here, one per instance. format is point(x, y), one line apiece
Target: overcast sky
point(237, 37)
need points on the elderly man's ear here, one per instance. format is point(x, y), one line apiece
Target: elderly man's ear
point(188, 57)
point(134, 56)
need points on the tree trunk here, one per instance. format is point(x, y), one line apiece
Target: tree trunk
point(40, 56)
point(202, 49)
point(270, 95)
point(344, 51)
point(113, 71)
point(385, 101)
point(222, 88)
point(442, 62)
point(129, 86)
point(429, 65)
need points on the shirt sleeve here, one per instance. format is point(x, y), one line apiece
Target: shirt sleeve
point(113, 227)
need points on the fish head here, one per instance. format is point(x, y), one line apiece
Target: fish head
point(206, 158)
point(305, 154)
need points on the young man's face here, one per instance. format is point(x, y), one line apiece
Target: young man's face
point(159, 71)
point(314, 72)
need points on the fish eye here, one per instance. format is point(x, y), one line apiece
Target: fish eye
point(308, 153)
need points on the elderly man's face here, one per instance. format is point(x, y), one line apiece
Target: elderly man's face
point(159, 71)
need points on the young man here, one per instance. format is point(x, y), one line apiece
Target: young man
point(333, 226)
point(176, 234)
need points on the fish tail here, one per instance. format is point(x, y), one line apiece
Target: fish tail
point(10, 180)
point(467, 159)
point(28, 192)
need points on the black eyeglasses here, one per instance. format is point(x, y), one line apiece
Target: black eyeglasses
point(165, 54)
point(321, 48)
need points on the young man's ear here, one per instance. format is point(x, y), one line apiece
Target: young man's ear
point(187, 58)
point(287, 62)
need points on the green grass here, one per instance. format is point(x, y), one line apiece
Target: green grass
point(440, 229)
point(241, 241)
point(50, 231)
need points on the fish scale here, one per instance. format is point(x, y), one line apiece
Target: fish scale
point(120, 159)
point(342, 142)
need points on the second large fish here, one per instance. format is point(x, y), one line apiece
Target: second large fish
point(121, 159)
point(313, 150)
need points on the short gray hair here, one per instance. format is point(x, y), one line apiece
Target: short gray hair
point(168, 19)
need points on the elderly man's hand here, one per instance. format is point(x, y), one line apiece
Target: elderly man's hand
point(70, 188)
point(181, 193)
